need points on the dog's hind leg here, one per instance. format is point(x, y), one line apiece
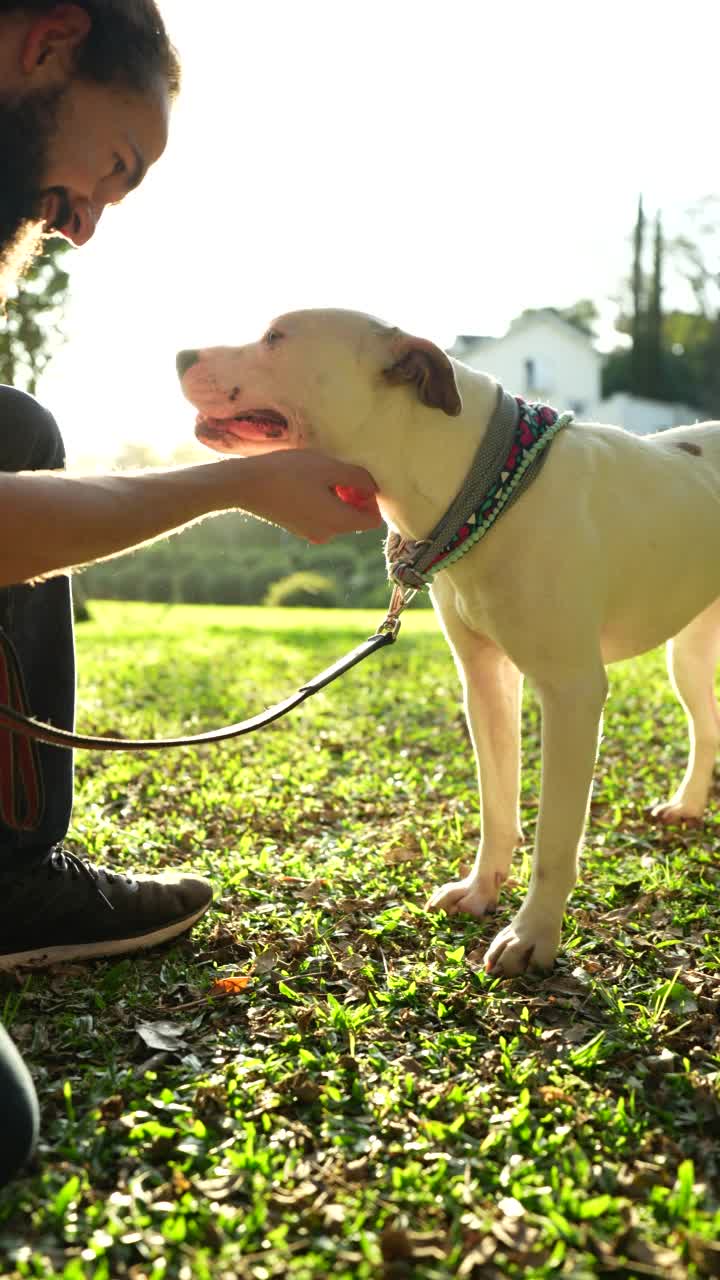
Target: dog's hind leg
point(692, 657)
point(493, 687)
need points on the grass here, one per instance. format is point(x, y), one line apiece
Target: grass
point(366, 1102)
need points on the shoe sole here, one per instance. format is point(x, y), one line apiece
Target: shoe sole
point(41, 958)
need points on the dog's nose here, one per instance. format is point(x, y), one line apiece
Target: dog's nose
point(185, 360)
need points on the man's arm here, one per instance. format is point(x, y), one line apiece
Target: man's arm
point(50, 521)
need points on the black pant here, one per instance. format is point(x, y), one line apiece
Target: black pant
point(39, 622)
point(18, 1110)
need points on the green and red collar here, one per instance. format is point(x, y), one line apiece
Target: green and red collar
point(510, 455)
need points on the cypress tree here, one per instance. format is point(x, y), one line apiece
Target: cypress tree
point(655, 364)
point(638, 324)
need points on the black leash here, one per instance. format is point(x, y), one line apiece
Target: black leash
point(15, 721)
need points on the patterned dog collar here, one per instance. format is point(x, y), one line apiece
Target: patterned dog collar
point(509, 458)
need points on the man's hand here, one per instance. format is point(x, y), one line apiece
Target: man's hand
point(309, 494)
point(50, 521)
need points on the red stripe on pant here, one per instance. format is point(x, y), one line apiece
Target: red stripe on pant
point(21, 791)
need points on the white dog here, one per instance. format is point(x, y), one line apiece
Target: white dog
point(612, 548)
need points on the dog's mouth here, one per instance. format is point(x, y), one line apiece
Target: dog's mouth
point(256, 426)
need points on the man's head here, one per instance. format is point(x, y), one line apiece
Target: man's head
point(85, 89)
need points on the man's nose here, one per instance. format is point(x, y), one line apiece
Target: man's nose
point(83, 222)
point(185, 360)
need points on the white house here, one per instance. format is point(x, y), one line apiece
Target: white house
point(544, 357)
point(541, 357)
point(645, 416)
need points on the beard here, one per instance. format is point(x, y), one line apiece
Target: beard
point(27, 126)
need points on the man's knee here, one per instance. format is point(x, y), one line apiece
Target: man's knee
point(30, 438)
point(18, 1110)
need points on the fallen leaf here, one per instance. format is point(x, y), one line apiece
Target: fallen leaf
point(395, 1244)
point(705, 1254)
point(162, 1036)
point(334, 1214)
point(357, 1170)
point(229, 986)
point(313, 890)
point(401, 853)
point(511, 1207)
point(551, 1093)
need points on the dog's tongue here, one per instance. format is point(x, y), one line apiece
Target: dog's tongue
point(249, 429)
point(244, 429)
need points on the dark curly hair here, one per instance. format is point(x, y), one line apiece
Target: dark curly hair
point(127, 43)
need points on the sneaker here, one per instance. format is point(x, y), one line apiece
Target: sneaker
point(65, 908)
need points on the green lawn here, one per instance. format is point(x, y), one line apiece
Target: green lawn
point(369, 1103)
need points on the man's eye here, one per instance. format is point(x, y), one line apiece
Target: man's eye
point(119, 166)
point(272, 336)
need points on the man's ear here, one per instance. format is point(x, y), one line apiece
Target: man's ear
point(420, 361)
point(48, 52)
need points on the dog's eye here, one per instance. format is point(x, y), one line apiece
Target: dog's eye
point(272, 337)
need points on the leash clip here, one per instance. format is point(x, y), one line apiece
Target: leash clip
point(399, 600)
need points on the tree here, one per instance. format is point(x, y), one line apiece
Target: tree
point(583, 315)
point(650, 367)
point(135, 455)
point(654, 319)
point(305, 590)
point(31, 328)
point(646, 363)
point(637, 319)
point(696, 254)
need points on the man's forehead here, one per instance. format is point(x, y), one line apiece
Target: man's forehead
point(144, 120)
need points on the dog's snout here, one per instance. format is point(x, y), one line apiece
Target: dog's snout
point(185, 360)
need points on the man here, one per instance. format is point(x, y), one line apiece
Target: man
point(85, 94)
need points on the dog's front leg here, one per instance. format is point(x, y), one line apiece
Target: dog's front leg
point(571, 721)
point(493, 687)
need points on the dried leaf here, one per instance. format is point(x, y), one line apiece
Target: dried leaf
point(229, 986)
point(392, 857)
point(313, 890)
point(162, 1036)
point(395, 1244)
point(511, 1207)
point(705, 1254)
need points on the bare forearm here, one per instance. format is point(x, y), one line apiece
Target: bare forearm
point(50, 521)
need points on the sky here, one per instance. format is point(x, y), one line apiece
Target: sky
point(442, 164)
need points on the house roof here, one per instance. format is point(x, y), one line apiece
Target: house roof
point(465, 343)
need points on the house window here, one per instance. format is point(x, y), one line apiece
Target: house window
point(539, 379)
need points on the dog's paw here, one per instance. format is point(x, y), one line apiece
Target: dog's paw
point(675, 813)
point(522, 946)
point(473, 896)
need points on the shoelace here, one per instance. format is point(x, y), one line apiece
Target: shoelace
point(61, 860)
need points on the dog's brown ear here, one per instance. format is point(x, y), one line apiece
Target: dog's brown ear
point(420, 361)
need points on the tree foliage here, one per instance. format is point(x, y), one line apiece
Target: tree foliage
point(303, 590)
point(30, 331)
point(231, 559)
point(675, 355)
